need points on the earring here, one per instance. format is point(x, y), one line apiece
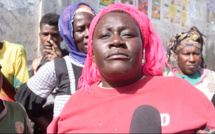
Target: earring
point(143, 61)
point(93, 63)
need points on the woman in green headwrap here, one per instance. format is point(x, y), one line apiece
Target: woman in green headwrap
point(186, 49)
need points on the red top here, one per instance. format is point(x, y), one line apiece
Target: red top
point(2, 97)
point(182, 107)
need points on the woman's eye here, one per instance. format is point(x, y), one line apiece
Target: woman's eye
point(128, 35)
point(186, 53)
point(104, 36)
point(80, 29)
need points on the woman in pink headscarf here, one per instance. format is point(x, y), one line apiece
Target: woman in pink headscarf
point(115, 81)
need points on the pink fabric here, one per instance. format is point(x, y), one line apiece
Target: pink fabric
point(154, 52)
point(203, 72)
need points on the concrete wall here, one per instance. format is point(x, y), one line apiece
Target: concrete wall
point(19, 23)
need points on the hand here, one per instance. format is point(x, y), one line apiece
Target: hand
point(55, 53)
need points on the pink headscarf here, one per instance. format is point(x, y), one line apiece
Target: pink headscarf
point(155, 57)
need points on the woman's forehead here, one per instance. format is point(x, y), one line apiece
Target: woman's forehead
point(116, 17)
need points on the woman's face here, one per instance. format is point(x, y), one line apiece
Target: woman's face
point(189, 59)
point(117, 47)
point(81, 25)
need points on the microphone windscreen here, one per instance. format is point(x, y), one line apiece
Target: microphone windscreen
point(145, 119)
point(213, 100)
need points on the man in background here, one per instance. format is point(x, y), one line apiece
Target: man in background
point(50, 39)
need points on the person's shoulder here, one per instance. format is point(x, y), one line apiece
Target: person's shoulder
point(15, 47)
point(211, 71)
point(14, 105)
point(174, 86)
point(169, 78)
point(36, 62)
point(80, 94)
point(37, 59)
point(47, 65)
point(60, 62)
point(206, 73)
point(172, 82)
point(168, 73)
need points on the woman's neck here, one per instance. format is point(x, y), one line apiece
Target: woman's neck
point(178, 71)
point(106, 85)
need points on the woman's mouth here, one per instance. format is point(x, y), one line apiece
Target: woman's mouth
point(118, 55)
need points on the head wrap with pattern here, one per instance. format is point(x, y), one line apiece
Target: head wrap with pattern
point(155, 57)
point(66, 30)
point(193, 37)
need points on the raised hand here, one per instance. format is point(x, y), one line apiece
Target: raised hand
point(54, 53)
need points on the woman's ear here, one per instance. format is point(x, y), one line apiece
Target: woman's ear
point(94, 58)
point(94, 63)
point(143, 59)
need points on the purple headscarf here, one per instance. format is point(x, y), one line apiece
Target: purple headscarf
point(66, 31)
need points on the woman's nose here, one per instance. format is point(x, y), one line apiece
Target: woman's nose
point(117, 41)
point(191, 58)
point(86, 34)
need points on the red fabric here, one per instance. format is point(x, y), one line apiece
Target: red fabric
point(110, 110)
point(2, 97)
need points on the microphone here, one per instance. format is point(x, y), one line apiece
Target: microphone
point(146, 119)
point(213, 100)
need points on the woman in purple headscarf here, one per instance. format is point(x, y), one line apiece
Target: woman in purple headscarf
point(61, 74)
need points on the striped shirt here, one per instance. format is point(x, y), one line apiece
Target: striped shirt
point(43, 82)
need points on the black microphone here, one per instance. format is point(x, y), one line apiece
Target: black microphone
point(146, 119)
point(213, 100)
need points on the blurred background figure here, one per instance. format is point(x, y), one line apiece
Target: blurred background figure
point(186, 49)
point(59, 76)
point(50, 39)
point(13, 118)
point(15, 70)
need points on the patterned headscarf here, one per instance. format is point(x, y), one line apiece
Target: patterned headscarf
point(190, 38)
point(66, 30)
point(155, 57)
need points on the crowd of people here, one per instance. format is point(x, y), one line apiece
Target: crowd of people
point(101, 84)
